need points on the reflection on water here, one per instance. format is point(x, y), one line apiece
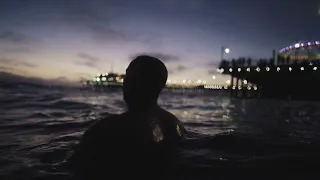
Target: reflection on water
point(38, 131)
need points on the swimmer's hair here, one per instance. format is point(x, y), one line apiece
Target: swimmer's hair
point(152, 70)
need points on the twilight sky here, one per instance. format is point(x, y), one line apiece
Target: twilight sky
point(73, 39)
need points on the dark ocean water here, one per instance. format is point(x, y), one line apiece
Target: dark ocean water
point(40, 127)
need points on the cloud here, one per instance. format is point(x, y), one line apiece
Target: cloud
point(16, 62)
point(27, 64)
point(181, 68)
point(88, 57)
point(15, 37)
point(88, 61)
point(177, 69)
point(88, 64)
point(163, 57)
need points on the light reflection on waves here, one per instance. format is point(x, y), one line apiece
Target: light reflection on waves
point(39, 131)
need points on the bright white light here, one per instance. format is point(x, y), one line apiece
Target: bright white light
point(317, 42)
point(239, 87)
point(228, 82)
point(239, 69)
point(97, 79)
point(309, 43)
point(248, 69)
point(297, 45)
point(104, 78)
point(184, 81)
point(168, 81)
point(230, 69)
point(302, 68)
point(315, 68)
point(290, 68)
point(107, 74)
point(199, 81)
point(258, 69)
point(255, 88)
point(213, 77)
point(278, 69)
point(267, 68)
point(222, 70)
point(249, 87)
point(227, 50)
point(233, 87)
point(225, 87)
point(245, 82)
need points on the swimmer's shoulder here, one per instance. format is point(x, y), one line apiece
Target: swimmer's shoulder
point(172, 121)
point(104, 126)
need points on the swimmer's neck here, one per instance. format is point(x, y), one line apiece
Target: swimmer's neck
point(143, 108)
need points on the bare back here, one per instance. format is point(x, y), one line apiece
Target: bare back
point(123, 141)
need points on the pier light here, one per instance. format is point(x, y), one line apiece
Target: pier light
point(218, 70)
point(302, 68)
point(249, 88)
point(239, 69)
point(278, 69)
point(297, 45)
point(239, 87)
point(248, 69)
point(225, 87)
point(267, 68)
point(227, 50)
point(255, 88)
point(317, 42)
point(258, 69)
point(221, 70)
point(233, 87)
point(309, 43)
point(213, 77)
point(290, 68)
point(107, 74)
point(104, 78)
point(228, 81)
point(302, 44)
point(245, 82)
point(230, 69)
point(315, 68)
point(98, 79)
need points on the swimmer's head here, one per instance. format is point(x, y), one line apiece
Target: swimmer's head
point(145, 77)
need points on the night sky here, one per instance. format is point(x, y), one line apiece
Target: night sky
point(74, 39)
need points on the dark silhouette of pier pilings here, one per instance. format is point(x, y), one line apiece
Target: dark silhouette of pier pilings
point(286, 78)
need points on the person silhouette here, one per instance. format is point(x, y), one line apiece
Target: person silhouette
point(141, 140)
